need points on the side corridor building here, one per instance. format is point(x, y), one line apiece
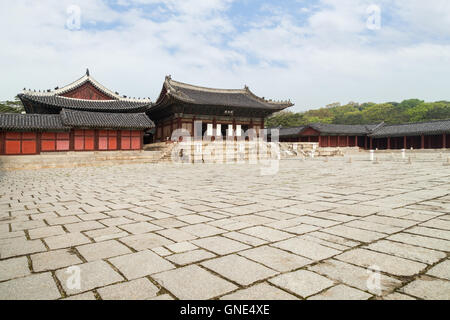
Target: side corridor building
point(422, 135)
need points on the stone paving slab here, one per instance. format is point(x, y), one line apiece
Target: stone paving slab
point(341, 292)
point(315, 229)
point(139, 289)
point(92, 275)
point(193, 283)
point(140, 264)
point(14, 268)
point(303, 283)
point(262, 291)
point(53, 260)
point(34, 287)
point(239, 269)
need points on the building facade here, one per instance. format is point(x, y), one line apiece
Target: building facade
point(222, 112)
point(82, 116)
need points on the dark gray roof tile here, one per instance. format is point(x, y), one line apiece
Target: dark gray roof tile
point(413, 129)
point(58, 103)
point(82, 119)
point(343, 129)
point(31, 122)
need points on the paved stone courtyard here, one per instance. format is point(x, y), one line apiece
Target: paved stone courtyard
point(315, 230)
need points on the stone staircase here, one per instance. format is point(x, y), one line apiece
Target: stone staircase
point(215, 152)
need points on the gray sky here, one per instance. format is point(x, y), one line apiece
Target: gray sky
point(313, 52)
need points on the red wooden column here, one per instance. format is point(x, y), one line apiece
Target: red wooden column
point(320, 141)
point(348, 141)
point(328, 141)
point(2, 142)
point(356, 141)
point(404, 142)
point(365, 142)
point(422, 142)
point(38, 142)
point(389, 143)
point(444, 141)
point(371, 143)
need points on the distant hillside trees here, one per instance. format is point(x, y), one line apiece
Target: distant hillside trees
point(412, 110)
point(11, 106)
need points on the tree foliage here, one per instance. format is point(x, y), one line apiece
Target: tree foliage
point(412, 110)
point(11, 106)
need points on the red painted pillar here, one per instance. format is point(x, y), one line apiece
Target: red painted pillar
point(328, 141)
point(320, 141)
point(389, 143)
point(38, 142)
point(371, 143)
point(444, 141)
point(404, 142)
point(348, 141)
point(365, 142)
point(356, 141)
point(2, 142)
point(422, 142)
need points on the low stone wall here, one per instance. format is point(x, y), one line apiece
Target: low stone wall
point(77, 159)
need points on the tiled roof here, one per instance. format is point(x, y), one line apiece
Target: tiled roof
point(290, 132)
point(341, 129)
point(78, 83)
point(80, 119)
point(412, 129)
point(58, 103)
point(31, 122)
point(219, 97)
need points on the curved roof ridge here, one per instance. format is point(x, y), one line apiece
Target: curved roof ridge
point(173, 87)
point(77, 83)
point(104, 101)
point(413, 123)
point(195, 87)
point(270, 101)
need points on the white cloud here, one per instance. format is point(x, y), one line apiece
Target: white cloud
point(324, 55)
